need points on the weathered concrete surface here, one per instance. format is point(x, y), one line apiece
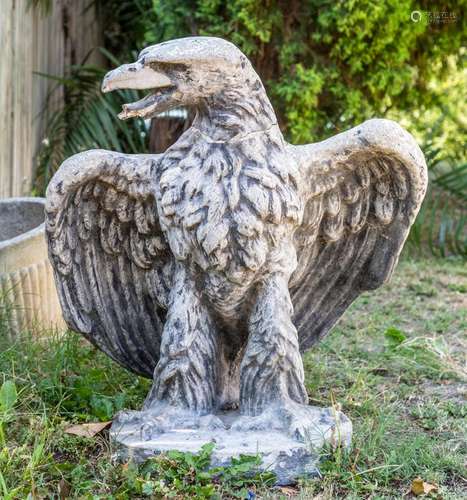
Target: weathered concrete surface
point(287, 457)
point(212, 266)
point(27, 288)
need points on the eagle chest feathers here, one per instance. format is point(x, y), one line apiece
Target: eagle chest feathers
point(226, 205)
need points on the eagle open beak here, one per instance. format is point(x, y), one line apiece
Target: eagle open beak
point(136, 76)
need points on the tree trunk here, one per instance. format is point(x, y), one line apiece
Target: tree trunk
point(166, 130)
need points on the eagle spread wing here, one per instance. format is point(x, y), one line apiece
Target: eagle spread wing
point(365, 189)
point(111, 262)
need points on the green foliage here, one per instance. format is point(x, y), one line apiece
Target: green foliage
point(8, 396)
point(87, 121)
point(441, 225)
point(88, 118)
point(394, 364)
point(187, 475)
point(80, 381)
point(44, 6)
point(395, 336)
point(328, 64)
point(126, 23)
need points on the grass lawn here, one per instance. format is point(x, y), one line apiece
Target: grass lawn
point(395, 364)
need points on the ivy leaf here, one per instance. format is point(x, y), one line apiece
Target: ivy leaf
point(148, 488)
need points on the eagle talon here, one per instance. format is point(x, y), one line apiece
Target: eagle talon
point(293, 419)
point(163, 418)
point(150, 428)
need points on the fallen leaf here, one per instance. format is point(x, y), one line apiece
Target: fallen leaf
point(64, 489)
point(88, 430)
point(288, 491)
point(419, 487)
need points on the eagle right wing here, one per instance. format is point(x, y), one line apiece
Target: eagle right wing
point(111, 263)
point(364, 189)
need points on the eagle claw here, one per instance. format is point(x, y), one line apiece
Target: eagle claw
point(296, 420)
point(164, 418)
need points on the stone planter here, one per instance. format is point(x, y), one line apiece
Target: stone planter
point(28, 297)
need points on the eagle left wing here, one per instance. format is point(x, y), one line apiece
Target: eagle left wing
point(111, 263)
point(364, 189)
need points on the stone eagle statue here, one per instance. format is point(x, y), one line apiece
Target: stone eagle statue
point(212, 266)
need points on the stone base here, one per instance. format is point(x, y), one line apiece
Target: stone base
point(289, 458)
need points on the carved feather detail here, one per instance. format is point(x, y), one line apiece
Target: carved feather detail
point(224, 196)
point(366, 186)
point(210, 266)
point(117, 224)
point(109, 247)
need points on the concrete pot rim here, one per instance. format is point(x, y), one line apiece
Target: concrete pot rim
point(28, 234)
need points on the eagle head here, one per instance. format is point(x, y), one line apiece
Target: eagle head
point(202, 72)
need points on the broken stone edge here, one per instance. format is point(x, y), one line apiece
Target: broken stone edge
point(288, 458)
